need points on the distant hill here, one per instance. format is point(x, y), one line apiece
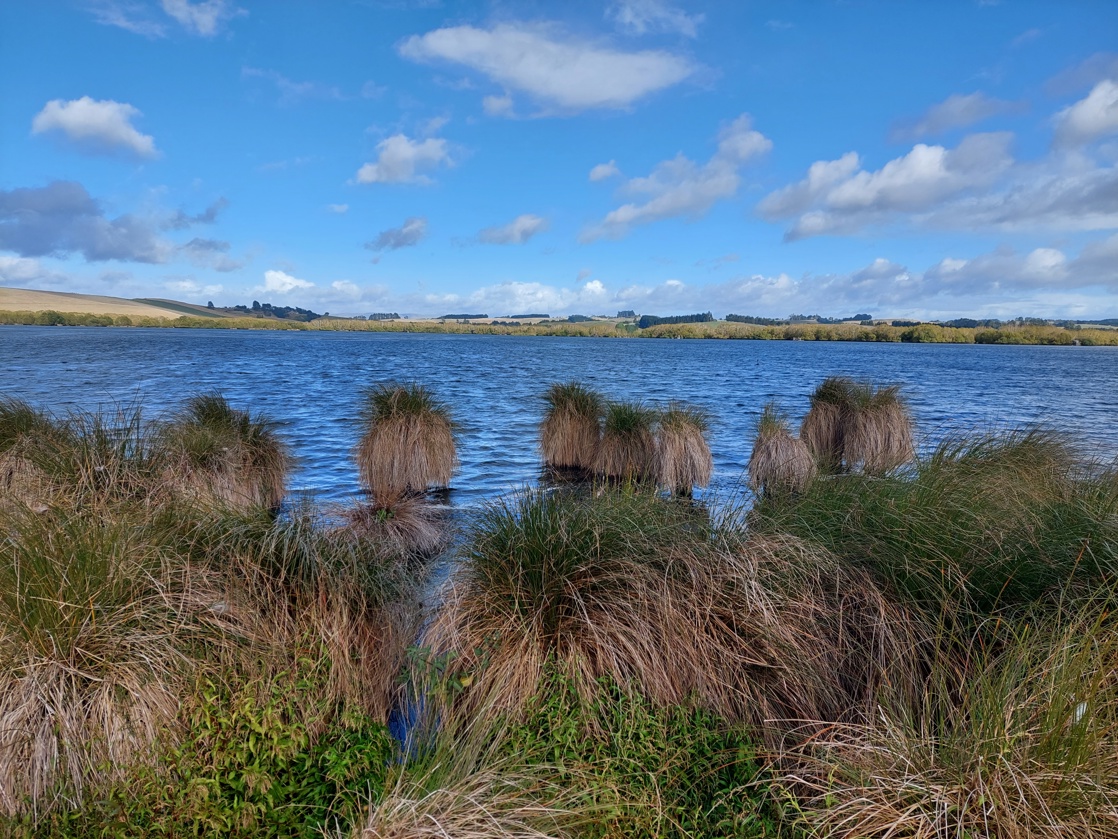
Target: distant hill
point(28, 300)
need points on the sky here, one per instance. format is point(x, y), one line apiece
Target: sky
point(924, 160)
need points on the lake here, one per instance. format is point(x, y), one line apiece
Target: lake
point(310, 382)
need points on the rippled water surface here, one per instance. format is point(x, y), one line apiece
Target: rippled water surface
point(310, 382)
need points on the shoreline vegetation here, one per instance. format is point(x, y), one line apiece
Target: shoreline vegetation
point(921, 333)
point(874, 644)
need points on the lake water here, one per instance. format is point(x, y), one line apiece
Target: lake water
point(310, 382)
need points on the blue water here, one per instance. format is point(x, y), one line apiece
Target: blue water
point(310, 383)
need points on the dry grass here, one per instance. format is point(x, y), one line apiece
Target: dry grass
point(572, 426)
point(408, 525)
point(224, 456)
point(823, 427)
point(854, 426)
point(1029, 750)
point(683, 455)
point(771, 632)
point(627, 450)
point(780, 464)
point(408, 442)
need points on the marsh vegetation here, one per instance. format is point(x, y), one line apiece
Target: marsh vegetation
point(879, 643)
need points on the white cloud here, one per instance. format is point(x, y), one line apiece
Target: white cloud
point(191, 287)
point(516, 232)
point(680, 187)
point(339, 209)
point(603, 171)
point(290, 91)
point(100, 126)
point(403, 160)
point(557, 71)
point(202, 18)
point(1089, 118)
point(498, 106)
point(132, 17)
point(280, 282)
point(513, 297)
point(20, 272)
point(407, 235)
point(641, 16)
point(837, 196)
point(956, 111)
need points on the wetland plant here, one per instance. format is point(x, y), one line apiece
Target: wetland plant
point(572, 426)
point(780, 464)
point(408, 442)
point(854, 425)
point(683, 458)
point(226, 456)
point(627, 451)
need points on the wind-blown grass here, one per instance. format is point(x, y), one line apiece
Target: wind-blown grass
point(780, 464)
point(225, 456)
point(854, 425)
point(572, 426)
point(627, 451)
point(683, 458)
point(408, 442)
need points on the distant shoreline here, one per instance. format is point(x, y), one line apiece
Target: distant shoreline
point(925, 333)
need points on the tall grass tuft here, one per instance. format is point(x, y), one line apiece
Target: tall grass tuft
point(223, 455)
point(853, 425)
point(1028, 749)
point(24, 431)
point(780, 463)
point(408, 442)
point(407, 525)
point(627, 451)
point(89, 661)
point(683, 458)
point(572, 426)
point(646, 592)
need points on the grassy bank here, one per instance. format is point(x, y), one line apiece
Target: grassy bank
point(921, 334)
point(886, 647)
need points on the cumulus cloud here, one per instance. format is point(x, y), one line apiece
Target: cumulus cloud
point(192, 288)
point(410, 233)
point(956, 111)
point(20, 272)
point(498, 106)
point(604, 170)
point(280, 282)
point(1089, 118)
point(401, 160)
point(838, 196)
point(516, 232)
point(62, 218)
point(514, 297)
point(638, 17)
point(557, 71)
point(681, 187)
point(97, 126)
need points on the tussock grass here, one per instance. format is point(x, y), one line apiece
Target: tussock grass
point(1028, 750)
point(572, 426)
point(780, 464)
point(683, 458)
point(627, 450)
point(89, 659)
point(645, 592)
point(409, 525)
point(985, 524)
point(855, 425)
point(408, 442)
point(22, 429)
point(225, 456)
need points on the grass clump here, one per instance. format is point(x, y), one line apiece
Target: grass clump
point(572, 426)
point(225, 456)
point(408, 442)
point(627, 451)
point(24, 431)
point(1028, 749)
point(855, 425)
point(683, 458)
point(780, 464)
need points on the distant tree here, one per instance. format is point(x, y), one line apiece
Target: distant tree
point(626, 313)
point(578, 318)
point(256, 305)
point(652, 320)
point(210, 305)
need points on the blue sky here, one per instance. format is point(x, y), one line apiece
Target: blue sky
point(904, 159)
